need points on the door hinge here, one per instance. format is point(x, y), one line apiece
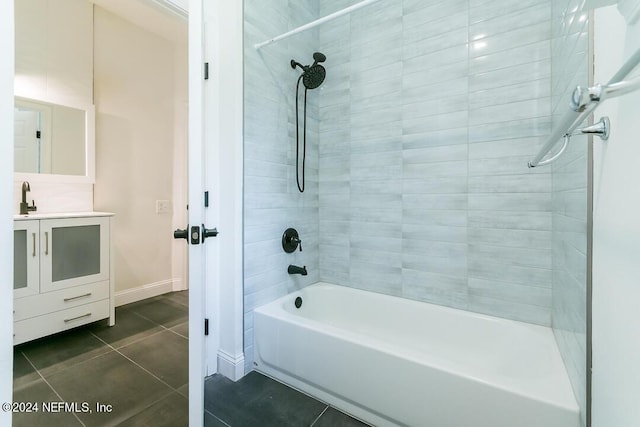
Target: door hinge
point(206, 71)
point(38, 134)
point(206, 199)
point(206, 327)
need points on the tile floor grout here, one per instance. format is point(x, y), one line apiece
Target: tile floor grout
point(217, 418)
point(318, 417)
point(49, 385)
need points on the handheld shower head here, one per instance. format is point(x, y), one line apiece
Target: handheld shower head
point(312, 75)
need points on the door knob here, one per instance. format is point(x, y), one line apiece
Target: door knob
point(209, 232)
point(181, 234)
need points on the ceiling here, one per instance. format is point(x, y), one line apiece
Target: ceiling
point(165, 18)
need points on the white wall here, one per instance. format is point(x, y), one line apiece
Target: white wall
point(6, 223)
point(54, 52)
point(137, 108)
point(68, 139)
point(54, 63)
point(616, 237)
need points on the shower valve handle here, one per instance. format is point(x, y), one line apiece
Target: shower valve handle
point(299, 242)
point(291, 240)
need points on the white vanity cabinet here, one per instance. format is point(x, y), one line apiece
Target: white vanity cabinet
point(63, 273)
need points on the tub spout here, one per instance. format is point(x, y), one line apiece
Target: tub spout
point(294, 269)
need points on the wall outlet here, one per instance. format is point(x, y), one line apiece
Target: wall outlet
point(163, 206)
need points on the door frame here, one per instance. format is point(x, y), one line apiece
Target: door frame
point(224, 138)
point(227, 49)
point(6, 209)
point(215, 165)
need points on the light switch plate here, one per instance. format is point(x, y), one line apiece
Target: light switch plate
point(163, 206)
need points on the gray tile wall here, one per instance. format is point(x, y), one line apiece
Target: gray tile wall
point(428, 116)
point(570, 67)
point(271, 199)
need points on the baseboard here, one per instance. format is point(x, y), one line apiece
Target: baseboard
point(139, 293)
point(230, 366)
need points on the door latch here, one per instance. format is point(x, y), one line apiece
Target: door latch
point(195, 235)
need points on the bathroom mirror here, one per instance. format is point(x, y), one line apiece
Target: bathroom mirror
point(53, 140)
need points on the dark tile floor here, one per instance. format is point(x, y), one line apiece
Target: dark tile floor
point(139, 367)
point(259, 401)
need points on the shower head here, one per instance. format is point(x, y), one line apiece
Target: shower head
point(319, 57)
point(312, 75)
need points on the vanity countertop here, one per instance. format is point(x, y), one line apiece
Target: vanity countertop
point(60, 215)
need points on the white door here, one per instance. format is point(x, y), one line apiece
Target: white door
point(26, 141)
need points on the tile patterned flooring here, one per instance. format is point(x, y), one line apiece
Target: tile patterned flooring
point(259, 401)
point(140, 368)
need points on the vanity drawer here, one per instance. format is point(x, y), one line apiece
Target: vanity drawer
point(49, 302)
point(36, 327)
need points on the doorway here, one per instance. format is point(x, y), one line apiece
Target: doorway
point(141, 176)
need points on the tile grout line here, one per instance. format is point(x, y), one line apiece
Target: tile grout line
point(217, 418)
point(318, 417)
point(50, 386)
point(132, 342)
point(140, 366)
point(160, 324)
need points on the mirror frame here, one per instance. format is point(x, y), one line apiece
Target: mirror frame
point(90, 145)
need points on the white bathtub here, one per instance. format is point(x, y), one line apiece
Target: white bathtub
point(391, 361)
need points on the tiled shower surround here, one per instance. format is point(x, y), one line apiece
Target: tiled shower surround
point(272, 202)
point(428, 117)
point(418, 139)
point(418, 142)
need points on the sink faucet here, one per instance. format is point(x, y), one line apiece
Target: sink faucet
point(24, 206)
